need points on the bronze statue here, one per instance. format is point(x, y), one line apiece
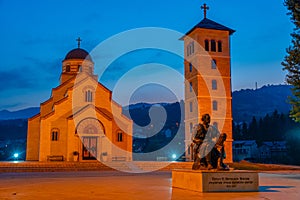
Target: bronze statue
point(208, 146)
point(218, 153)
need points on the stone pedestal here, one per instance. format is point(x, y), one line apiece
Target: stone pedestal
point(215, 181)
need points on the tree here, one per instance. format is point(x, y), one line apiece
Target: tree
point(291, 61)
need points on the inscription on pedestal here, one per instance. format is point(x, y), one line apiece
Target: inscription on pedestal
point(207, 181)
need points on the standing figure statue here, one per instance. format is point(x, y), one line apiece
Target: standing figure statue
point(208, 146)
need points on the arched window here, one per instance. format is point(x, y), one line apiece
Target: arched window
point(213, 45)
point(88, 96)
point(191, 67)
point(215, 105)
point(79, 68)
point(192, 48)
point(214, 85)
point(120, 136)
point(188, 50)
point(54, 134)
point(220, 46)
point(206, 42)
point(213, 64)
point(68, 68)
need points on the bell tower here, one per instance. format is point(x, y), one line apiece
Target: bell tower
point(207, 72)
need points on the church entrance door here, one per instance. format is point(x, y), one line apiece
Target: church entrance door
point(89, 148)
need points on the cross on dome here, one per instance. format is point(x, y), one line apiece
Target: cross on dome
point(78, 42)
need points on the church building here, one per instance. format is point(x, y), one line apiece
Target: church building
point(80, 121)
point(207, 71)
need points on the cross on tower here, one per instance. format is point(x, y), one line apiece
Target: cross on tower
point(205, 8)
point(78, 40)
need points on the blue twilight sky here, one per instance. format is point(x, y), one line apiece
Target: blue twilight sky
point(36, 36)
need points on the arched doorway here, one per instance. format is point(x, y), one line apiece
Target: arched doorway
point(91, 132)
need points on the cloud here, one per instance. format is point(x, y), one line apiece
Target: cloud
point(14, 79)
point(34, 74)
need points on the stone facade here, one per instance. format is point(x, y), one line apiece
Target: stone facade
point(80, 121)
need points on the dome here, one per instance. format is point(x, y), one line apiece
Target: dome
point(78, 54)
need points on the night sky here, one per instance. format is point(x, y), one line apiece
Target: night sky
point(36, 36)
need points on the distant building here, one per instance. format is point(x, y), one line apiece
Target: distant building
point(244, 150)
point(80, 121)
point(272, 152)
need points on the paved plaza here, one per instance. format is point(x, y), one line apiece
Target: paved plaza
point(118, 185)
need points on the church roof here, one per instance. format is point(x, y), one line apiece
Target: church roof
point(78, 53)
point(209, 24)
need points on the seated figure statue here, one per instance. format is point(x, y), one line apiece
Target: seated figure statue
point(204, 139)
point(208, 146)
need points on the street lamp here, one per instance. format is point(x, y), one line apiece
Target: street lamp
point(16, 155)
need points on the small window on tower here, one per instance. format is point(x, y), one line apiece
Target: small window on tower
point(191, 67)
point(193, 48)
point(220, 46)
point(68, 68)
point(191, 127)
point(215, 105)
point(214, 84)
point(213, 45)
point(213, 64)
point(79, 68)
point(215, 124)
point(188, 50)
point(206, 45)
point(191, 106)
point(120, 136)
point(191, 86)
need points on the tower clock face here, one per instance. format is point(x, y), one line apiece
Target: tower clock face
point(90, 126)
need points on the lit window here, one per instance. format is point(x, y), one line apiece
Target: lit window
point(220, 46)
point(214, 85)
point(88, 96)
point(120, 137)
point(215, 105)
point(191, 87)
point(213, 64)
point(206, 45)
point(191, 106)
point(191, 67)
point(54, 135)
point(213, 45)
